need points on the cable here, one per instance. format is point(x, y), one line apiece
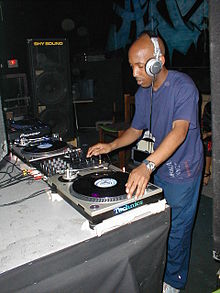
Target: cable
point(18, 180)
point(151, 102)
point(14, 164)
point(25, 198)
point(10, 179)
point(6, 172)
point(22, 176)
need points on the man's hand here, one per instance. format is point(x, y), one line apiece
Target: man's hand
point(98, 149)
point(137, 181)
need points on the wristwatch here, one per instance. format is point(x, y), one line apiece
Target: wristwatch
point(150, 165)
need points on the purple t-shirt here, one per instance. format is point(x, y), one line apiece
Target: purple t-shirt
point(176, 99)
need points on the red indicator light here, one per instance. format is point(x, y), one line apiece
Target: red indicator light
point(12, 63)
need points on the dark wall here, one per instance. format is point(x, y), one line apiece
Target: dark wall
point(106, 75)
point(23, 19)
point(183, 26)
point(92, 23)
point(86, 34)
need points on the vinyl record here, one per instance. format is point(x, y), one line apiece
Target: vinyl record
point(45, 147)
point(100, 186)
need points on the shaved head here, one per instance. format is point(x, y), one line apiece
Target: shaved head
point(144, 41)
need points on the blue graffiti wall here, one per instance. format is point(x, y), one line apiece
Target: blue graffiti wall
point(180, 23)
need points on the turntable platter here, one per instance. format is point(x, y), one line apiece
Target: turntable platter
point(100, 187)
point(45, 147)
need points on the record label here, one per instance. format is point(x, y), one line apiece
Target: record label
point(44, 146)
point(105, 182)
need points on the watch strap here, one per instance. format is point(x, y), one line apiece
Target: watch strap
point(150, 165)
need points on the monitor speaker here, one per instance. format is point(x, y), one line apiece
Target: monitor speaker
point(50, 84)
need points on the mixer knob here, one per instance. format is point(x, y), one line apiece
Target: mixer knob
point(70, 174)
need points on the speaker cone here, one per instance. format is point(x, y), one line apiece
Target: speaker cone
point(50, 88)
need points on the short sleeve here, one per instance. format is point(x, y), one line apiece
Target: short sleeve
point(140, 119)
point(186, 105)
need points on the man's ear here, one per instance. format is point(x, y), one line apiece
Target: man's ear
point(162, 59)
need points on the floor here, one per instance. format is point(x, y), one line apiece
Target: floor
point(203, 268)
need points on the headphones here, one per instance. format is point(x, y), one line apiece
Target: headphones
point(154, 65)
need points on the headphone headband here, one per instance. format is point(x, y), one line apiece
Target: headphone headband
point(154, 65)
point(157, 52)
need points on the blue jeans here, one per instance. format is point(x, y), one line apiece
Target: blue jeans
point(182, 199)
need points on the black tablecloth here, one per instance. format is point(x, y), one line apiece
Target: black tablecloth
point(127, 260)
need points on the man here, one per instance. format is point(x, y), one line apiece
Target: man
point(166, 103)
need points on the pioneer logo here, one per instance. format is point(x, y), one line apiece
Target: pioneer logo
point(127, 207)
point(48, 43)
point(29, 134)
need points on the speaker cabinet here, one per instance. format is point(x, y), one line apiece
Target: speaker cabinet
point(50, 84)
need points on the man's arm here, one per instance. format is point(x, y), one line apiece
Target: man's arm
point(171, 142)
point(140, 176)
point(128, 137)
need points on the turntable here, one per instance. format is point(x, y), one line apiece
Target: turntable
point(101, 194)
point(29, 128)
point(36, 149)
point(44, 147)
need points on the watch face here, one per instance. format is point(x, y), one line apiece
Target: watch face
point(151, 166)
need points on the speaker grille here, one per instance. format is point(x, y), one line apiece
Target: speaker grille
point(50, 88)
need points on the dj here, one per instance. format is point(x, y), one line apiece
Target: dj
point(167, 103)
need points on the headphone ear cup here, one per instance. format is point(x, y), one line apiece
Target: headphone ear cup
point(153, 67)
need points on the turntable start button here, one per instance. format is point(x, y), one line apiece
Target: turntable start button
point(94, 207)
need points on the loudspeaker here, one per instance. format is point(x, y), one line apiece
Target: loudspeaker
point(3, 136)
point(154, 65)
point(50, 84)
